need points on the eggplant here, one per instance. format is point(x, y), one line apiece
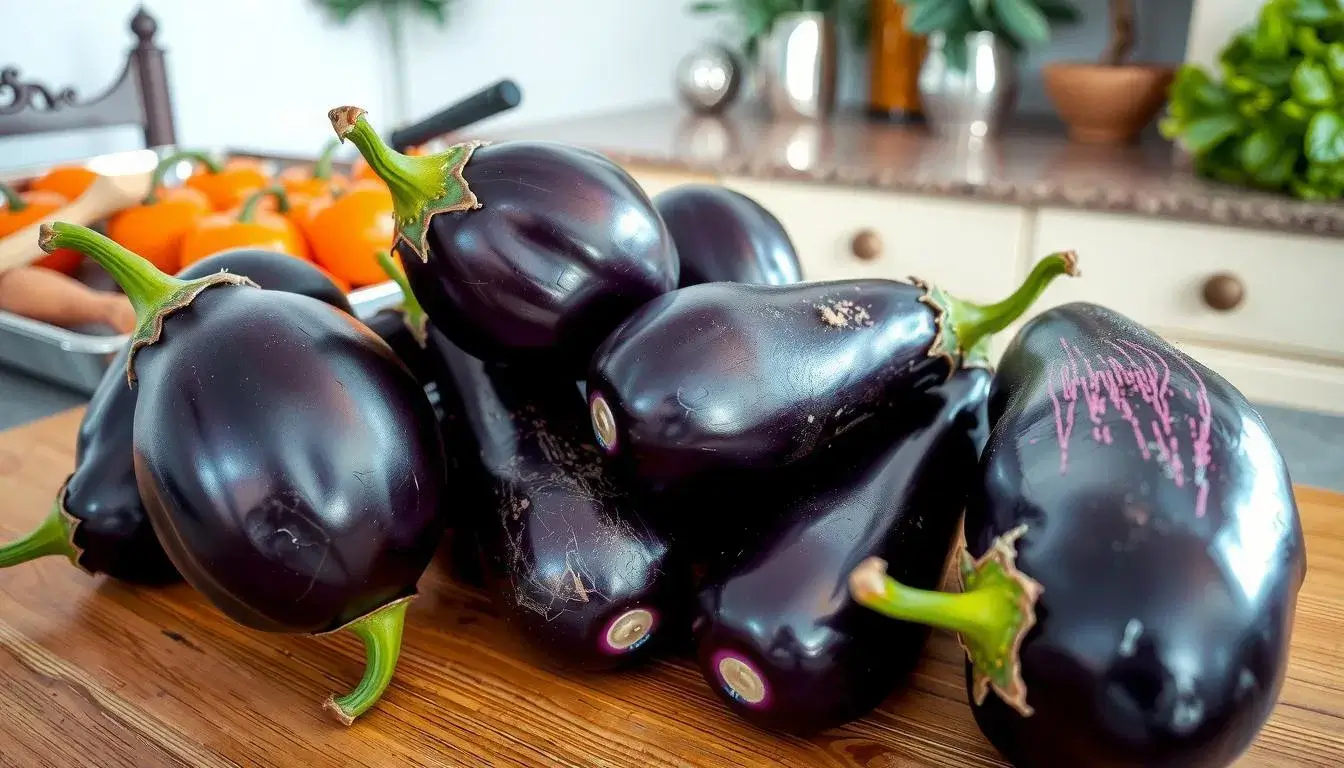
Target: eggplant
point(565, 554)
point(717, 379)
point(777, 635)
point(97, 520)
point(1133, 555)
point(290, 464)
point(722, 235)
point(524, 252)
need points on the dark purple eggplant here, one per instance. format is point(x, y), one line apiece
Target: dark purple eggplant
point(778, 637)
point(525, 252)
point(97, 520)
point(1134, 555)
point(289, 462)
point(718, 378)
point(722, 235)
point(565, 553)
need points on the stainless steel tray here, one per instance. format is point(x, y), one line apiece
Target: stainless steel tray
point(76, 358)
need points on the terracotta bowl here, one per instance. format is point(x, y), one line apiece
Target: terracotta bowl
point(1104, 104)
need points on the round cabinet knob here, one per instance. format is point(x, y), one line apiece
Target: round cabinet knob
point(1224, 292)
point(866, 245)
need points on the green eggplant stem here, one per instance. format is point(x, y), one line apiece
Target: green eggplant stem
point(991, 615)
point(153, 294)
point(166, 164)
point(322, 168)
point(381, 632)
point(252, 204)
point(421, 185)
point(14, 203)
point(414, 314)
point(52, 537)
point(973, 322)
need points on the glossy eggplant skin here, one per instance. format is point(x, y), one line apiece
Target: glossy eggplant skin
point(718, 378)
point(565, 554)
point(1162, 525)
point(114, 534)
point(779, 605)
point(564, 246)
point(290, 463)
point(722, 235)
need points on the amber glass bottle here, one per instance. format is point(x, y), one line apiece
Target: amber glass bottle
point(896, 56)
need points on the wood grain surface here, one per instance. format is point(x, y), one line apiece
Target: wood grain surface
point(94, 673)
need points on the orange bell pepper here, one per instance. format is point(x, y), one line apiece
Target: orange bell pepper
point(157, 226)
point(23, 209)
point(228, 186)
point(351, 228)
point(68, 181)
point(250, 227)
point(315, 181)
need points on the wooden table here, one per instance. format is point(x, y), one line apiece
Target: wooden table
point(94, 673)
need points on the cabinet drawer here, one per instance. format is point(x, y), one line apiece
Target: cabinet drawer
point(971, 249)
point(1157, 272)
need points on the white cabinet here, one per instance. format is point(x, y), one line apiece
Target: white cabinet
point(1264, 309)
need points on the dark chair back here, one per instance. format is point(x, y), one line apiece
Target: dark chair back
point(139, 96)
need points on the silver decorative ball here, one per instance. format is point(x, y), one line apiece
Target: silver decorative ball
point(709, 78)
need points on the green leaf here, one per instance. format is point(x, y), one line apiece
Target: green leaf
point(1060, 11)
point(1307, 41)
point(1334, 62)
point(1325, 137)
point(1313, 11)
point(1259, 149)
point(1271, 34)
point(981, 10)
point(933, 17)
point(1023, 20)
point(1312, 85)
point(1204, 134)
point(1277, 172)
point(707, 6)
point(1274, 74)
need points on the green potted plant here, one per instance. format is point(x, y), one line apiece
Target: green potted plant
point(392, 12)
point(1275, 119)
point(755, 18)
point(1109, 101)
point(959, 99)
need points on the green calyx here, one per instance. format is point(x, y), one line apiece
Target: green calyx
point(153, 294)
point(381, 632)
point(421, 186)
point(166, 164)
point(991, 615)
point(14, 203)
point(964, 327)
point(248, 213)
point(412, 313)
point(55, 536)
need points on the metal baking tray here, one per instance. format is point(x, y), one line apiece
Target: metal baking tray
point(76, 358)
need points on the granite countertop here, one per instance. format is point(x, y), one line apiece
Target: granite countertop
point(1032, 164)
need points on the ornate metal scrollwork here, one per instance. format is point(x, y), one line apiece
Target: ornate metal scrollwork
point(26, 95)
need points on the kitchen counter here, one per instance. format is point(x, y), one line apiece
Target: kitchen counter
point(1032, 165)
point(96, 673)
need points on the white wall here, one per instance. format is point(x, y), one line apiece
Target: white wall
point(1213, 23)
point(262, 73)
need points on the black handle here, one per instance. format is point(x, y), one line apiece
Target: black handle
point(487, 102)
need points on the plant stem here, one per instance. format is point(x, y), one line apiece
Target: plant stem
point(966, 324)
point(322, 168)
point(381, 633)
point(166, 164)
point(51, 537)
point(1121, 43)
point(397, 50)
point(14, 203)
point(421, 186)
point(413, 314)
point(248, 214)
